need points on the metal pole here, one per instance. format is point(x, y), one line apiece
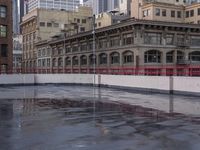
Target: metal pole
point(64, 53)
point(94, 67)
point(138, 9)
point(93, 49)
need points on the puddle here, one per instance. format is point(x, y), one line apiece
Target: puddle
point(65, 120)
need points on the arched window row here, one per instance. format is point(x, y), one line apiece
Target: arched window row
point(127, 57)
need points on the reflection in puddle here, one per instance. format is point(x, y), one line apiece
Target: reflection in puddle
point(73, 124)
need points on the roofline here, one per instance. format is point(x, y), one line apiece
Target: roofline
point(130, 22)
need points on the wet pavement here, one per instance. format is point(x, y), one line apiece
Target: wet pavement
point(79, 118)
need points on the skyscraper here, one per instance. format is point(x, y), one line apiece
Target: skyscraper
point(15, 17)
point(100, 6)
point(23, 5)
point(53, 4)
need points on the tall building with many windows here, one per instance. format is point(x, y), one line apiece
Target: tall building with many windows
point(6, 35)
point(53, 4)
point(100, 6)
point(15, 17)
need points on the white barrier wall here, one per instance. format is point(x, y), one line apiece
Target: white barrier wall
point(186, 84)
point(150, 83)
point(144, 82)
point(17, 79)
point(64, 78)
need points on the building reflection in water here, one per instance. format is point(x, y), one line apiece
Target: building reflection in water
point(6, 124)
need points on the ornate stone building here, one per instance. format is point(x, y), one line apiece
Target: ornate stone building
point(153, 47)
point(6, 36)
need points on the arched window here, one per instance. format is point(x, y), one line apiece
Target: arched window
point(194, 56)
point(115, 58)
point(67, 61)
point(152, 56)
point(170, 57)
point(54, 64)
point(83, 60)
point(34, 63)
point(128, 57)
point(60, 62)
point(75, 61)
point(180, 56)
point(92, 59)
point(103, 59)
point(30, 64)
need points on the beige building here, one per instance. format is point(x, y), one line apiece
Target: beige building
point(170, 11)
point(109, 18)
point(130, 47)
point(192, 13)
point(41, 24)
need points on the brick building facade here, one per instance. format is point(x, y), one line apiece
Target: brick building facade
point(6, 36)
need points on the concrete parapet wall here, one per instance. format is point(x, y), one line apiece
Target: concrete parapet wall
point(64, 78)
point(17, 79)
point(186, 85)
point(163, 84)
point(150, 83)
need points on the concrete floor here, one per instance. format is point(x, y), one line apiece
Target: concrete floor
point(54, 117)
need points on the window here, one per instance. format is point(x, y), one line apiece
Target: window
point(75, 61)
point(170, 39)
point(195, 40)
point(99, 24)
point(60, 62)
point(3, 11)
point(191, 13)
point(146, 13)
point(3, 31)
point(103, 59)
point(187, 14)
point(42, 24)
point(82, 29)
point(92, 59)
point(102, 43)
point(157, 12)
point(4, 50)
point(75, 48)
point(83, 20)
point(152, 56)
point(179, 14)
point(127, 57)
point(115, 59)
point(173, 13)
point(152, 38)
point(164, 13)
point(48, 62)
point(56, 25)
point(67, 61)
point(114, 41)
point(49, 24)
point(54, 63)
point(194, 56)
point(198, 11)
point(68, 49)
point(128, 39)
point(170, 57)
point(83, 47)
point(83, 60)
point(78, 20)
point(180, 56)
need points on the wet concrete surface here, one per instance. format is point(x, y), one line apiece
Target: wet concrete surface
point(80, 118)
